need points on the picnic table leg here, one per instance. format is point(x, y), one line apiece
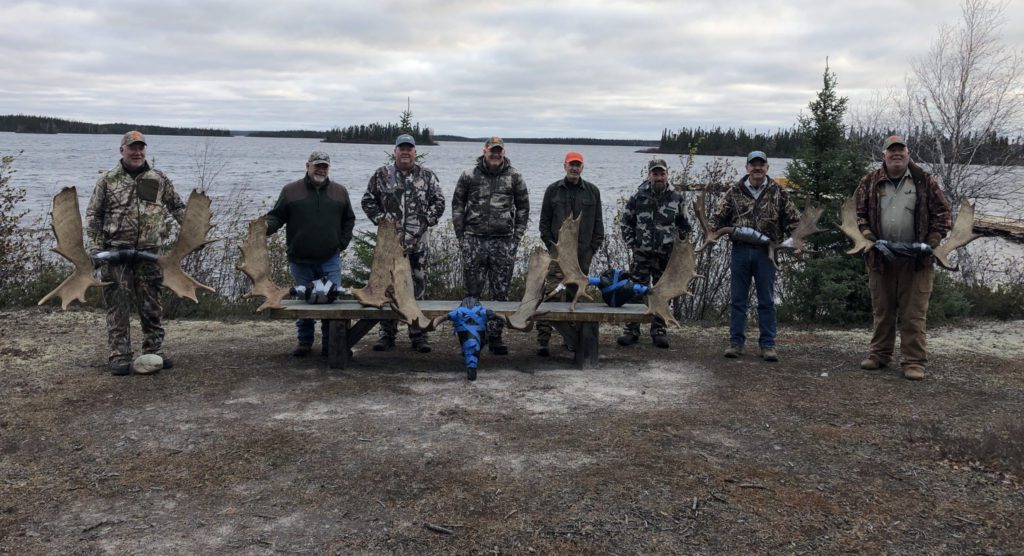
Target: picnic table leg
point(338, 351)
point(586, 344)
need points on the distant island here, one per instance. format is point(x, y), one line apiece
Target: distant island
point(20, 123)
point(378, 134)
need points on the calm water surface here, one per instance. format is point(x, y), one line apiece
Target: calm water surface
point(258, 167)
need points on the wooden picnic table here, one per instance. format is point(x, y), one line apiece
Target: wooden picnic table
point(350, 321)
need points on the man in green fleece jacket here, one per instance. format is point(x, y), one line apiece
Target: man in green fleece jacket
point(319, 221)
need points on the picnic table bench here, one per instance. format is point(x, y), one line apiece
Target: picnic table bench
point(350, 321)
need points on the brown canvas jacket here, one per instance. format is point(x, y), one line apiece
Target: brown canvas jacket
point(931, 212)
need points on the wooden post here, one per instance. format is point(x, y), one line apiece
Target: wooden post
point(586, 344)
point(338, 351)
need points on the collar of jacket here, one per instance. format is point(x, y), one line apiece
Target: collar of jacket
point(414, 171)
point(565, 183)
point(142, 169)
point(482, 165)
point(312, 185)
point(742, 187)
point(881, 175)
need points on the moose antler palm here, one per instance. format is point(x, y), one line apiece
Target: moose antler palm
point(533, 293)
point(66, 221)
point(848, 224)
point(194, 227)
point(566, 254)
point(254, 262)
point(710, 237)
point(390, 279)
point(674, 281)
point(962, 234)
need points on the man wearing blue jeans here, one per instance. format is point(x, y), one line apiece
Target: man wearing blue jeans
point(761, 213)
point(319, 220)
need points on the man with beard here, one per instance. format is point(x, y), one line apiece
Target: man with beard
point(490, 212)
point(319, 221)
point(408, 194)
point(569, 197)
point(126, 212)
point(900, 204)
point(653, 218)
point(762, 212)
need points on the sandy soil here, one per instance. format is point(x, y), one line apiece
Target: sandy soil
point(243, 449)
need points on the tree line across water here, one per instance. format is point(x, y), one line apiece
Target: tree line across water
point(20, 123)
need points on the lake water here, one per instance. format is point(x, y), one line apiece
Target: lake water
point(259, 167)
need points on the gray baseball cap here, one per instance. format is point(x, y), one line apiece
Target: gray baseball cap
point(404, 139)
point(754, 155)
point(319, 157)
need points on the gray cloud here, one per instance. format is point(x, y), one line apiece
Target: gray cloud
point(609, 69)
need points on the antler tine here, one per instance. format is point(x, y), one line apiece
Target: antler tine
point(674, 281)
point(533, 295)
point(390, 279)
point(807, 226)
point(254, 262)
point(848, 214)
point(192, 236)
point(963, 233)
point(710, 237)
point(66, 221)
point(567, 256)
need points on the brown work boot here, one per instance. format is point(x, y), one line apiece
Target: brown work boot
point(913, 372)
point(769, 354)
point(734, 351)
point(872, 364)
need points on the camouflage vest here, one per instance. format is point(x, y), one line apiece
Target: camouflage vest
point(126, 212)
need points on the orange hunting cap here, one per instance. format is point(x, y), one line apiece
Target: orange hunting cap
point(573, 156)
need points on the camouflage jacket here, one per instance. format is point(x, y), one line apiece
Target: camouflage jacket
point(126, 212)
point(931, 212)
point(651, 221)
point(772, 213)
point(491, 204)
point(561, 201)
point(414, 201)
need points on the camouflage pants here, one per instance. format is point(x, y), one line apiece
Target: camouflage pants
point(488, 260)
point(141, 282)
point(646, 269)
point(551, 281)
point(418, 262)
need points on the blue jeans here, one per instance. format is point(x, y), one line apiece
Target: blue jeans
point(304, 274)
point(752, 262)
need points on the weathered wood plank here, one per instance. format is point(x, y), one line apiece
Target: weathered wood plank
point(349, 309)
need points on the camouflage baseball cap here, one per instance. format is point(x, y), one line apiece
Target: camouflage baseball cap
point(657, 163)
point(132, 137)
point(893, 140)
point(404, 139)
point(494, 142)
point(319, 157)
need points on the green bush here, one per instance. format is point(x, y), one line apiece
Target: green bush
point(832, 289)
point(1004, 302)
point(948, 301)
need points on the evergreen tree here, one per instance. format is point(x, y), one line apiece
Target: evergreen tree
point(828, 285)
point(827, 166)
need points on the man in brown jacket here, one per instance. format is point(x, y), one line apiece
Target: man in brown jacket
point(903, 210)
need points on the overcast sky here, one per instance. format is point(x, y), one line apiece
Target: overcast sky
point(528, 69)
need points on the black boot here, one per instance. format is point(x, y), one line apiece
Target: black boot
point(497, 346)
point(384, 343)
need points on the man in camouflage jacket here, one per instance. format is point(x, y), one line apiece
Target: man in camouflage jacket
point(569, 197)
point(654, 217)
point(490, 212)
point(409, 194)
point(762, 212)
point(318, 220)
point(900, 202)
point(127, 210)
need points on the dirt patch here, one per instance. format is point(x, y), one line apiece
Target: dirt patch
point(243, 449)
